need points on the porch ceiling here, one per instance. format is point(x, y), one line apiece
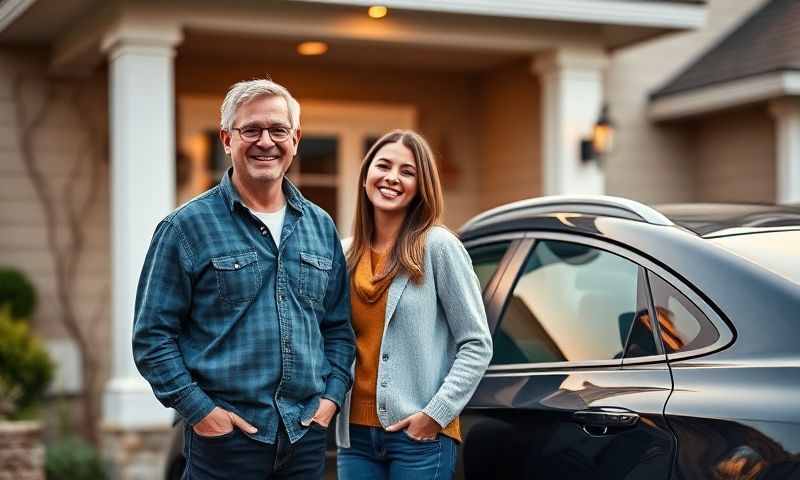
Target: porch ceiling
point(74, 30)
point(199, 46)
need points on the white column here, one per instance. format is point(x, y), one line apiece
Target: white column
point(572, 95)
point(787, 149)
point(142, 102)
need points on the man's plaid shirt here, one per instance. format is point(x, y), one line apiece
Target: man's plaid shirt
point(224, 318)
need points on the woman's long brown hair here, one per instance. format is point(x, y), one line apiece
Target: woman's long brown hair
point(424, 211)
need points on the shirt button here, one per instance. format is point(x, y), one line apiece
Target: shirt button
point(236, 266)
point(385, 357)
point(384, 384)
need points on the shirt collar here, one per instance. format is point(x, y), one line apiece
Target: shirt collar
point(293, 196)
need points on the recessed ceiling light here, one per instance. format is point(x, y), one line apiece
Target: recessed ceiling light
point(377, 11)
point(312, 48)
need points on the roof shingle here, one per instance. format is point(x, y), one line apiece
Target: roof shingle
point(767, 41)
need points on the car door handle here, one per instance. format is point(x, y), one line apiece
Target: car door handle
point(606, 418)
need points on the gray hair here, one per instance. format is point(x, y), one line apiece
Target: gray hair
point(242, 92)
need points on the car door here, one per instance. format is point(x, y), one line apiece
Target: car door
point(577, 383)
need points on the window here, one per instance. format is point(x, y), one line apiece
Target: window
point(682, 325)
point(315, 171)
point(571, 303)
point(486, 259)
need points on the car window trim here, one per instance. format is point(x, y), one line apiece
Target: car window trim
point(726, 335)
point(514, 241)
point(496, 305)
point(724, 332)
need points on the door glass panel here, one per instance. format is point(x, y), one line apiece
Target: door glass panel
point(682, 325)
point(315, 171)
point(325, 197)
point(486, 259)
point(368, 143)
point(571, 303)
point(317, 155)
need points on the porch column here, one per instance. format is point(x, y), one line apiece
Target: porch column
point(572, 96)
point(787, 149)
point(142, 131)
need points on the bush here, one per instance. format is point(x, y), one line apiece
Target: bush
point(17, 292)
point(25, 368)
point(73, 459)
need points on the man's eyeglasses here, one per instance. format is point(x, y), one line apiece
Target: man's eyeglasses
point(253, 134)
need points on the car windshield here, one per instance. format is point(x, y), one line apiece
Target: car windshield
point(777, 251)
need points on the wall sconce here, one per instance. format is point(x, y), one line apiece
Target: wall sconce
point(602, 141)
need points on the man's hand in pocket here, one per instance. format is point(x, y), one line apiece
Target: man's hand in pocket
point(219, 422)
point(325, 412)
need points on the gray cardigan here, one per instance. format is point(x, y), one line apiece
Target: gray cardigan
point(436, 343)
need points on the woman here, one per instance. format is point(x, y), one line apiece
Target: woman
point(422, 341)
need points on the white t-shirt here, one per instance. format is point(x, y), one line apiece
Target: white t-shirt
point(274, 222)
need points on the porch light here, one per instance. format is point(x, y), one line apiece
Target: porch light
point(602, 141)
point(377, 11)
point(312, 48)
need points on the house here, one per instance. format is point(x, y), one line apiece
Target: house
point(711, 115)
point(111, 108)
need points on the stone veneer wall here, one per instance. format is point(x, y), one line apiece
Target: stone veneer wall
point(136, 455)
point(22, 451)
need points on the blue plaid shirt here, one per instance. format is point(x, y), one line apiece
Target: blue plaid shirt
point(225, 318)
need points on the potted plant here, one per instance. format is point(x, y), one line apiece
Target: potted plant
point(25, 373)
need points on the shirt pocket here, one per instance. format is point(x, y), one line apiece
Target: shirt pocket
point(314, 272)
point(238, 277)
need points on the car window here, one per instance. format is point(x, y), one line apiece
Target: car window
point(682, 325)
point(486, 259)
point(571, 303)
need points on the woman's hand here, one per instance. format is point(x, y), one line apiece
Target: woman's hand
point(418, 426)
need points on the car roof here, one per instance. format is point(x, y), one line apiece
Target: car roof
point(703, 219)
point(716, 219)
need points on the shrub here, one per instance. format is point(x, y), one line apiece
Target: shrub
point(25, 368)
point(17, 292)
point(71, 458)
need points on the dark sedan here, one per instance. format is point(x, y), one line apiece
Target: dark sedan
point(637, 343)
point(633, 342)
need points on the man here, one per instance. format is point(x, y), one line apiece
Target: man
point(242, 319)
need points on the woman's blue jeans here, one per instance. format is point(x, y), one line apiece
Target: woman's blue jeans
point(376, 454)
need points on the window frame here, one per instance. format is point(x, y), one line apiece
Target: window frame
point(721, 326)
point(501, 296)
point(511, 261)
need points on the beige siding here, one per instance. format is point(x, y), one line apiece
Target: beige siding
point(446, 105)
point(655, 163)
point(61, 141)
point(736, 156)
point(510, 166)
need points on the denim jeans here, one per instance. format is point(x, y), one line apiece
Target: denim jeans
point(376, 454)
point(235, 455)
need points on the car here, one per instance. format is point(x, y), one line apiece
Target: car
point(633, 342)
